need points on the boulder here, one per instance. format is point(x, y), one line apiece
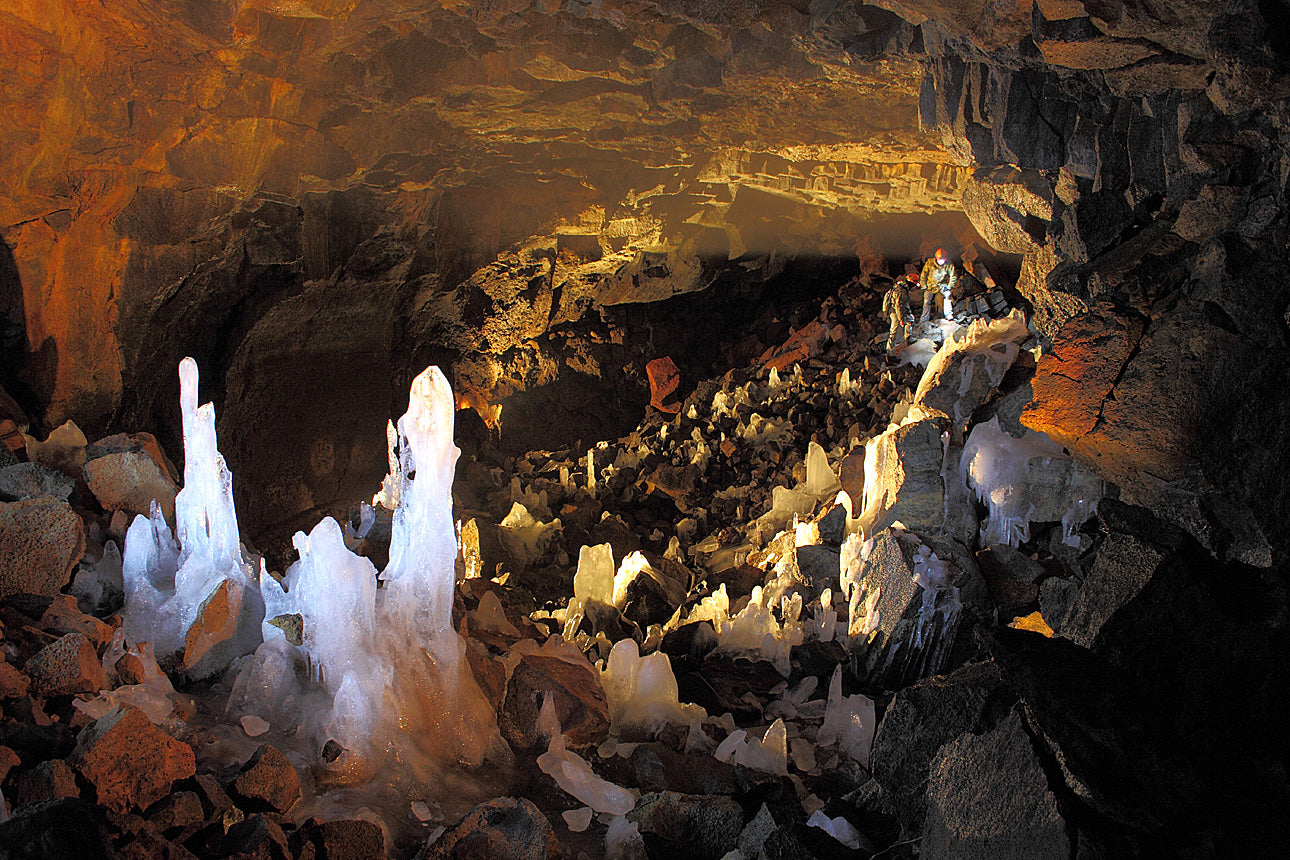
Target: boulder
point(502, 827)
point(921, 719)
point(227, 626)
point(69, 665)
point(907, 485)
point(694, 825)
point(268, 781)
point(41, 540)
point(1010, 208)
point(966, 372)
point(177, 811)
point(988, 797)
point(257, 837)
point(345, 839)
point(49, 780)
point(131, 481)
point(664, 379)
point(129, 761)
point(572, 682)
point(34, 481)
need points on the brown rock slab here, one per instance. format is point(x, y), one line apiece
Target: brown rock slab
point(130, 761)
point(268, 781)
point(1094, 53)
point(130, 481)
point(41, 541)
point(70, 665)
point(575, 687)
point(664, 379)
point(346, 839)
point(49, 780)
point(63, 617)
point(13, 683)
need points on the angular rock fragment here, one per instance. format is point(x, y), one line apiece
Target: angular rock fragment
point(502, 827)
point(574, 685)
point(41, 540)
point(672, 824)
point(34, 481)
point(268, 781)
point(130, 481)
point(904, 484)
point(57, 829)
point(988, 796)
point(70, 665)
point(129, 761)
point(345, 839)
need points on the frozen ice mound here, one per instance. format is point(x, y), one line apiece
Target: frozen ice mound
point(1027, 480)
point(642, 691)
point(193, 594)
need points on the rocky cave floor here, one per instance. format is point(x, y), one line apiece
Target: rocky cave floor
point(1113, 694)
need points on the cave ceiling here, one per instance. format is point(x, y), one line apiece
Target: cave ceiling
point(315, 198)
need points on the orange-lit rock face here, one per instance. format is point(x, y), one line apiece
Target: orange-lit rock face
point(625, 123)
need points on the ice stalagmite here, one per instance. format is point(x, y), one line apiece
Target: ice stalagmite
point(194, 594)
point(388, 658)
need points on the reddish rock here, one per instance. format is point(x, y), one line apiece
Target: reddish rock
point(502, 827)
point(130, 761)
point(258, 837)
point(851, 475)
point(11, 438)
point(347, 839)
point(41, 541)
point(803, 344)
point(13, 683)
point(49, 780)
point(664, 379)
point(70, 665)
point(178, 810)
point(63, 617)
point(130, 481)
point(267, 781)
point(1078, 372)
point(8, 761)
point(575, 686)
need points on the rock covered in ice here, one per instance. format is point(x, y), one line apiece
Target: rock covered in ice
point(903, 482)
point(904, 606)
point(769, 754)
point(1025, 480)
point(170, 580)
point(849, 721)
point(970, 368)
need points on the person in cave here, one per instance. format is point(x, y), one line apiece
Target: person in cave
point(938, 276)
point(895, 306)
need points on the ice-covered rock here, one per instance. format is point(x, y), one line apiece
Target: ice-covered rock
point(903, 483)
point(1027, 480)
point(904, 606)
point(169, 581)
point(968, 369)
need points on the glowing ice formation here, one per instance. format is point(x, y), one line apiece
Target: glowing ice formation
point(572, 772)
point(642, 691)
point(168, 580)
point(388, 658)
point(849, 721)
point(769, 754)
point(1026, 480)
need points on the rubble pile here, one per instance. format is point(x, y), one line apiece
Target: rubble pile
point(831, 603)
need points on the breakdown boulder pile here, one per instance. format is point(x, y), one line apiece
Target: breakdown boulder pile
point(829, 604)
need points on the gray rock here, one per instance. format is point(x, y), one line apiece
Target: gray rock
point(502, 827)
point(988, 799)
point(910, 490)
point(695, 825)
point(819, 566)
point(1123, 567)
point(920, 720)
point(56, 830)
point(34, 481)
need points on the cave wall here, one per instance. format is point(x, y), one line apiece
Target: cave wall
point(316, 198)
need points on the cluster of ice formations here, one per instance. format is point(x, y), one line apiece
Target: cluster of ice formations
point(387, 659)
point(642, 691)
point(168, 578)
point(1015, 478)
point(754, 629)
point(769, 754)
point(849, 721)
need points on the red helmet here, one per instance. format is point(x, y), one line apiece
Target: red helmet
point(940, 256)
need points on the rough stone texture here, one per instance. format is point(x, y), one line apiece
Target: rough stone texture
point(227, 625)
point(129, 481)
point(909, 474)
point(704, 826)
point(501, 827)
point(988, 797)
point(579, 700)
point(49, 780)
point(13, 683)
point(57, 830)
point(1010, 208)
point(41, 541)
point(664, 378)
point(919, 721)
point(70, 665)
point(34, 481)
point(129, 761)
point(268, 781)
point(346, 839)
